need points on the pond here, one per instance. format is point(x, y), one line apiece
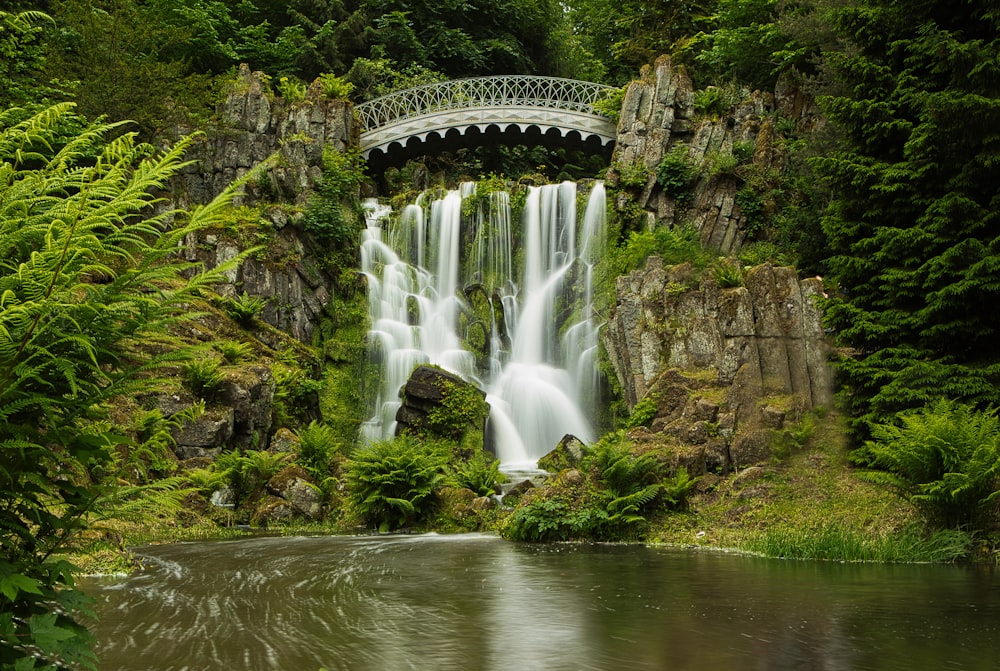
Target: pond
point(477, 602)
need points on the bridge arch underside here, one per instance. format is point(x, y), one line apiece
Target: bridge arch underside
point(393, 145)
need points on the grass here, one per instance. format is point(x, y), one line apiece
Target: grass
point(811, 506)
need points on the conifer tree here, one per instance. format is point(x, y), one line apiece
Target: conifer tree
point(914, 227)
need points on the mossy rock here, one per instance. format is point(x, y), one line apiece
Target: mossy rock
point(567, 454)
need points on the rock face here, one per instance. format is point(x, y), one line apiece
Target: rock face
point(658, 113)
point(720, 363)
point(240, 418)
point(256, 126)
point(284, 142)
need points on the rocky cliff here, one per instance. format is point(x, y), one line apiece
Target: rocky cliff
point(658, 114)
point(283, 144)
point(719, 366)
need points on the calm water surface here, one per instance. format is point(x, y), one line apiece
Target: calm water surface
point(475, 602)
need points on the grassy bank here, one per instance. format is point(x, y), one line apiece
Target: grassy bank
point(811, 505)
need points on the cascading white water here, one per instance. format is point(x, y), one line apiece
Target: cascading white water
point(540, 371)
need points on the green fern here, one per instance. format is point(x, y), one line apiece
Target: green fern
point(317, 445)
point(90, 288)
point(392, 482)
point(945, 458)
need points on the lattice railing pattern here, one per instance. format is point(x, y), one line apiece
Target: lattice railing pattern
point(502, 91)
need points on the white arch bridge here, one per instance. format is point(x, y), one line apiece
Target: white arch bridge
point(548, 107)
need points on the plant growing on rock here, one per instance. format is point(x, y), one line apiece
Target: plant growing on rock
point(676, 172)
point(244, 308)
point(392, 483)
point(317, 445)
point(481, 474)
point(203, 377)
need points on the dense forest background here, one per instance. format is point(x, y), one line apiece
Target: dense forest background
point(893, 199)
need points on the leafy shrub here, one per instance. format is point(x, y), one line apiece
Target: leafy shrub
point(710, 100)
point(392, 482)
point(246, 472)
point(744, 150)
point(552, 519)
point(677, 487)
point(291, 89)
point(944, 458)
point(232, 351)
point(751, 210)
point(335, 87)
point(644, 411)
point(676, 172)
point(757, 253)
point(673, 245)
point(317, 445)
point(611, 104)
point(331, 216)
point(728, 275)
point(631, 481)
point(481, 474)
point(632, 175)
point(720, 163)
point(203, 377)
point(462, 407)
point(206, 480)
point(244, 308)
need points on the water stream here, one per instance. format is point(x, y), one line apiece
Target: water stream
point(478, 603)
point(507, 305)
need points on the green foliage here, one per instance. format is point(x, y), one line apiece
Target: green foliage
point(295, 394)
point(233, 351)
point(463, 408)
point(89, 290)
point(318, 443)
point(834, 541)
point(247, 472)
point(628, 34)
point(944, 458)
point(751, 210)
point(206, 480)
point(746, 43)
point(912, 228)
point(552, 519)
point(620, 470)
point(21, 56)
point(759, 252)
point(676, 173)
point(335, 87)
point(633, 175)
point(291, 89)
point(673, 245)
point(374, 77)
point(728, 274)
point(644, 411)
point(244, 308)
point(392, 483)
point(332, 214)
point(481, 473)
point(204, 377)
point(611, 104)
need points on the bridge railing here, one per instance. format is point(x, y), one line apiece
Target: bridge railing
point(502, 91)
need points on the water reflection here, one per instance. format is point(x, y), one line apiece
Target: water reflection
point(476, 602)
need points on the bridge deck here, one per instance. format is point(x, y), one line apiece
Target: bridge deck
point(546, 103)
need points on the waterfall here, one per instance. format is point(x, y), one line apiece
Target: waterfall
point(508, 308)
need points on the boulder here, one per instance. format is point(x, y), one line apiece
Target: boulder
point(567, 454)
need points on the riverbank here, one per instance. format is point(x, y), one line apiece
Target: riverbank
point(807, 503)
